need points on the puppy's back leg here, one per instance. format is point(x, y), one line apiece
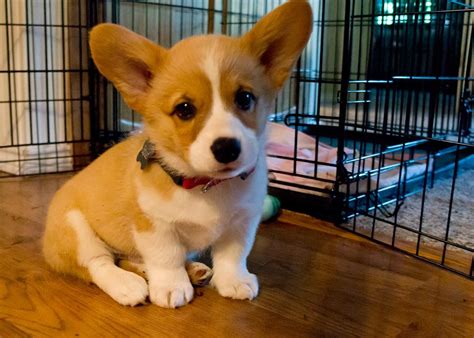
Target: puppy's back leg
point(123, 286)
point(199, 273)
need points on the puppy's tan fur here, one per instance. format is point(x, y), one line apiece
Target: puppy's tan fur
point(113, 207)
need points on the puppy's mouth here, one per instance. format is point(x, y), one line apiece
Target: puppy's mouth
point(226, 170)
point(233, 171)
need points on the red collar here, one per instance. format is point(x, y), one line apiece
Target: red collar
point(147, 155)
point(208, 182)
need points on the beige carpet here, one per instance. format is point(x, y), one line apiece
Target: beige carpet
point(435, 211)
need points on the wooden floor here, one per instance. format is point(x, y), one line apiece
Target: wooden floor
point(315, 279)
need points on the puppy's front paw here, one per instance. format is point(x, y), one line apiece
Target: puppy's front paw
point(126, 288)
point(241, 287)
point(171, 292)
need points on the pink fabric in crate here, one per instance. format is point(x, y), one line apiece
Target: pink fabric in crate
point(281, 142)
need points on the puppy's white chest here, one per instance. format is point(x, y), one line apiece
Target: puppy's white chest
point(201, 218)
point(196, 218)
point(197, 237)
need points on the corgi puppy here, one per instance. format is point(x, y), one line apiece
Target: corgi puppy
point(194, 179)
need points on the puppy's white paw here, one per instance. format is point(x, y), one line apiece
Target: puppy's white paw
point(171, 292)
point(242, 287)
point(126, 288)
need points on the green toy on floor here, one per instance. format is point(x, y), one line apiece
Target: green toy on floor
point(271, 207)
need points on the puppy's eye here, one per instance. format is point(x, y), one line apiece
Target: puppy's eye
point(185, 111)
point(244, 100)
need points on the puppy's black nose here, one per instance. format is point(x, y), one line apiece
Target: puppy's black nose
point(226, 149)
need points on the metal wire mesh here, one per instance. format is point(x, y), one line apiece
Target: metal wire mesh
point(44, 101)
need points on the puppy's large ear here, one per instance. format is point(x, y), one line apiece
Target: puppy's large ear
point(279, 38)
point(127, 59)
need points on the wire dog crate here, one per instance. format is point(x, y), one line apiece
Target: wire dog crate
point(376, 118)
point(44, 98)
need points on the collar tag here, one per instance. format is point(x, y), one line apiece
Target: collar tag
point(209, 185)
point(147, 153)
